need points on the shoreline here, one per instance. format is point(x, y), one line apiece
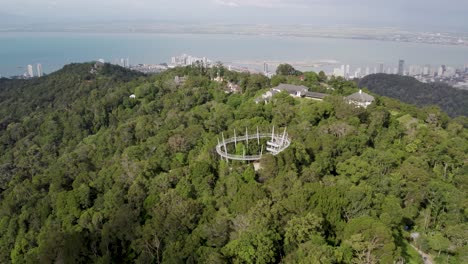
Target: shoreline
point(298, 35)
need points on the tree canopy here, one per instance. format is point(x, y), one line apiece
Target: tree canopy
point(409, 90)
point(89, 174)
point(286, 69)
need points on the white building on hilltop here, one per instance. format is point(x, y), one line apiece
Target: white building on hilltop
point(360, 99)
point(293, 90)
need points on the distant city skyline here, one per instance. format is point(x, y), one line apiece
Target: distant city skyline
point(427, 73)
point(456, 76)
point(399, 13)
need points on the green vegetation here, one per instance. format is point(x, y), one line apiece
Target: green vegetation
point(286, 69)
point(409, 90)
point(89, 175)
point(413, 256)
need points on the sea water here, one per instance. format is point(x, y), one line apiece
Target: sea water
point(53, 50)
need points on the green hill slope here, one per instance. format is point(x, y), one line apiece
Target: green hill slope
point(409, 90)
point(88, 174)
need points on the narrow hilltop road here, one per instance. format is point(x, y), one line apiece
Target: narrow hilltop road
point(427, 259)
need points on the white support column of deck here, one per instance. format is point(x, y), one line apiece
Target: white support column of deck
point(247, 136)
point(235, 139)
point(284, 136)
point(225, 149)
point(272, 133)
point(258, 137)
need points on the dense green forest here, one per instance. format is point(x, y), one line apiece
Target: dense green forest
point(90, 175)
point(409, 90)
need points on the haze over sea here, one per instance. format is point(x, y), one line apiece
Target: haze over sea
point(53, 50)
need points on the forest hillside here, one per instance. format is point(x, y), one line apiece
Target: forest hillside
point(91, 174)
point(409, 90)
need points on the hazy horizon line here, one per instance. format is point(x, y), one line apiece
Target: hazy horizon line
point(11, 19)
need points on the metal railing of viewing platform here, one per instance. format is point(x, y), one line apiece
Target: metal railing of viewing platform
point(275, 145)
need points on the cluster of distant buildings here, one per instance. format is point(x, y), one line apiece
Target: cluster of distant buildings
point(188, 60)
point(124, 62)
point(30, 71)
point(266, 70)
point(176, 61)
point(149, 68)
point(457, 78)
point(424, 73)
point(345, 70)
point(144, 68)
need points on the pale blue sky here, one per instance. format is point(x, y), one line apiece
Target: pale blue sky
point(421, 14)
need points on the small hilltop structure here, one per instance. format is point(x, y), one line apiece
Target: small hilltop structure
point(360, 99)
point(298, 91)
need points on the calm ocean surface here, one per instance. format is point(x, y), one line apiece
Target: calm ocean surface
point(53, 50)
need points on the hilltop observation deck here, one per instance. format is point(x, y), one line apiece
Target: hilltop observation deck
point(275, 144)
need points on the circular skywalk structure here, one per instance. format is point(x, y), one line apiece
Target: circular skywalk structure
point(275, 144)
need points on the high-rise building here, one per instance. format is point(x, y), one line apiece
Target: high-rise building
point(367, 71)
point(415, 70)
point(347, 72)
point(401, 67)
point(128, 63)
point(265, 67)
point(450, 72)
point(412, 70)
point(381, 67)
point(30, 71)
point(357, 73)
point(427, 70)
point(441, 71)
point(39, 70)
point(338, 72)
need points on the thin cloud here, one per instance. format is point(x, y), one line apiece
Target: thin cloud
point(261, 3)
point(226, 3)
point(425, 14)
